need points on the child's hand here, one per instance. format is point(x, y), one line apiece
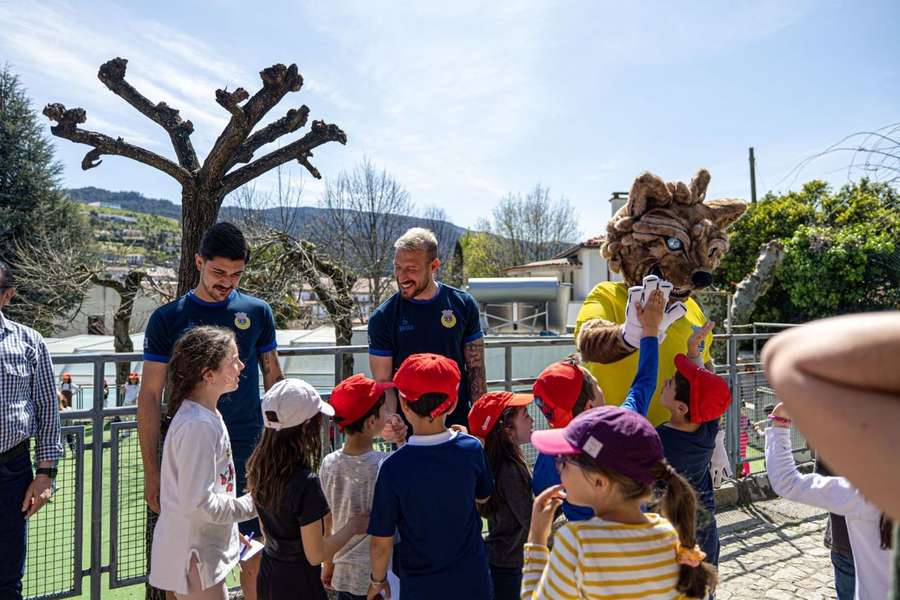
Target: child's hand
point(459, 428)
point(651, 314)
point(327, 573)
point(359, 524)
point(542, 512)
point(696, 339)
point(379, 591)
point(394, 430)
point(782, 413)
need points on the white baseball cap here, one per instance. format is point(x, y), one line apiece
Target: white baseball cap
point(292, 402)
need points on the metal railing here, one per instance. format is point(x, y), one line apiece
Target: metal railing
point(115, 532)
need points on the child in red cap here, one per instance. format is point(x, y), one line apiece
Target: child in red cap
point(427, 492)
point(501, 419)
point(348, 478)
point(697, 399)
point(565, 389)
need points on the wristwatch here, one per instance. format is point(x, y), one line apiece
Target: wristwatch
point(48, 471)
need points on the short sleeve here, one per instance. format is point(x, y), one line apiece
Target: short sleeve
point(473, 321)
point(267, 341)
point(602, 303)
point(157, 341)
point(385, 506)
point(380, 338)
point(484, 484)
point(310, 503)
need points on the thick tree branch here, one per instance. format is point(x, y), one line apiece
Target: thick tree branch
point(67, 127)
point(230, 101)
point(299, 150)
point(292, 121)
point(112, 74)
point(277, 80)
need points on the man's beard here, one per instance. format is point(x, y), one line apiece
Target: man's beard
point(416, 290)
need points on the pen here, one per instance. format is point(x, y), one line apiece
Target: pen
point(247, 547)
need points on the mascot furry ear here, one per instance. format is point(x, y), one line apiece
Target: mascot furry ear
point(670, 230)
point(665, 229)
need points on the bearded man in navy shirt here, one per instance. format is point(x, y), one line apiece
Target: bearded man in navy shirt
point(426, 316)
point(223, 255)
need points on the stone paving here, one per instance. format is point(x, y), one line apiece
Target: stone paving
point(774, 549)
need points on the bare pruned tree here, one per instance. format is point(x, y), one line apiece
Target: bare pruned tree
point(449, 252)
point(284, 263)
point(205, 185)
point(531, 227)
point(364, 214)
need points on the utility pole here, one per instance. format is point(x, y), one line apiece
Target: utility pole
point(752, 177)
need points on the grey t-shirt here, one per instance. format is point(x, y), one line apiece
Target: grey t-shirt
point(508, 526)
point(349, 485)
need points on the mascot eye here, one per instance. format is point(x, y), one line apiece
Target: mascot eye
point(673, 243)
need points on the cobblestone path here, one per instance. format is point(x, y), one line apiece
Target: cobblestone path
point(774, 549)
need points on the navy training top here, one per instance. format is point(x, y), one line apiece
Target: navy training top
point(426, 491)
point(638, 400)
point(253, 324)
point(690, 454)
point(441, 325)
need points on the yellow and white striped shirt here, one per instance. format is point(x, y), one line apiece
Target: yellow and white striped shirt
point(604, 560)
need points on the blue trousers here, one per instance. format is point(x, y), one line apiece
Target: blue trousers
point(844, 576)
point(507, 583)
point(15, 477)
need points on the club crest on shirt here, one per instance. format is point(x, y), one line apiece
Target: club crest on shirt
point(241, 320)
point(448, 319)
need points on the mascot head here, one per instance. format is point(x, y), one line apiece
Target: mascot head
point(669, 230)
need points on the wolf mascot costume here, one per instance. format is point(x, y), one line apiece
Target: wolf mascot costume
point(666, 232)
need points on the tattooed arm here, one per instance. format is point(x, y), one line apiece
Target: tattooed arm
point(474, 356)
point(271, 368)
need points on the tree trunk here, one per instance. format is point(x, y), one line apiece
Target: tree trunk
point(199, 209)
point(757, 283)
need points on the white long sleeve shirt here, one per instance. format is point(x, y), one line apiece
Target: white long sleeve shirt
point(199, 509)
point(836, 495)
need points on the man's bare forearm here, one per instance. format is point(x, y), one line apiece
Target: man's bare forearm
point(148, 418)
point(474, 356)
point(271, 369)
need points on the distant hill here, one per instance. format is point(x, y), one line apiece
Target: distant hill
point(133, 201)
point(303, 215)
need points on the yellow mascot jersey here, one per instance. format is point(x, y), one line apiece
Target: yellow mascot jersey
point(607, 301)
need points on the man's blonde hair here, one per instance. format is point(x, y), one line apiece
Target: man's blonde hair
point(418, 238)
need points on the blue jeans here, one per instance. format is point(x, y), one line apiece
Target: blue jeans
point(15, 477)
point(844, 575)
point(349, 596)
point(507, 583)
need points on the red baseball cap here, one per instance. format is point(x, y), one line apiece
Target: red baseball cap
point(486, 411)
point(557, 389)
point(422, 374)
point(710, 396)
point(354, 397)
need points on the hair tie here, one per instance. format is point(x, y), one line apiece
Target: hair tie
point(691, 557)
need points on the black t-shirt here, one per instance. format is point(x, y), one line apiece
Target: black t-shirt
point(303, 503)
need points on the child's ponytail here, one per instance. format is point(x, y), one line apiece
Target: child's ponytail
point(679, 506)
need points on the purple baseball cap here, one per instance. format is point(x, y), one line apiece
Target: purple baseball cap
point(617, 439)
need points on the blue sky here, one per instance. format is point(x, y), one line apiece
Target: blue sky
point(466, 101)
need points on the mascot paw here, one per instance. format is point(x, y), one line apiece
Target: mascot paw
point(718, 465)
point(632, 332)
point(673, 313)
